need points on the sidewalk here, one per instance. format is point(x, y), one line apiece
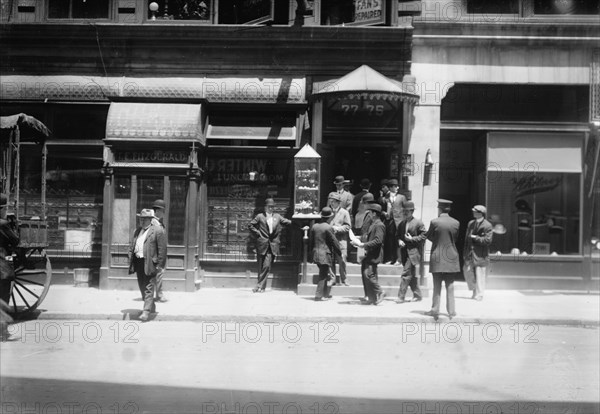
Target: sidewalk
point(218, 304)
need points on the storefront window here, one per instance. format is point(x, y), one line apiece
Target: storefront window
point(237, 188)
point(566, 7)
point(148, 190)
point(493, 6)
point(78, 9)
point(121, 211)
point(540, 211)
point(176, 219)
point(534, 192)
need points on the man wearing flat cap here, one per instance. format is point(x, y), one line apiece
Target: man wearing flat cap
point(159, 207)
point(324, 247)
point(372, 242)
point(341, 227)
point(444, 261)
point(147, 258)
point(476, 253)
point(410, 252)
point(267, 228)
point(345, 196)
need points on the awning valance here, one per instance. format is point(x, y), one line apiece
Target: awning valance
point(154, 121)
point(535, 152)
point(279, 133)
point(365, 82)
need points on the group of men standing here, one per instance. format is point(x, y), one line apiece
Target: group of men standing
point(385, 230)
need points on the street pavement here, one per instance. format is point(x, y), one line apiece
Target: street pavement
point(569, 308)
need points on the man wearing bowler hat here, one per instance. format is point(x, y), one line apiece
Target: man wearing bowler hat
point(345, 196)
point(410, 252)
point(444, 261)
point(267, 228)
point(147, 255)
point(373, 246)
point(159, 207)
point(324, 247)
point(476, 253)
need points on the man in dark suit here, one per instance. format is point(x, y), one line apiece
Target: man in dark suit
point(365, 185)
point(476, 253)
point(394, 215)
point(267, 228)
point(444, 262)
point(410, 252)
point(324, 246)
point(373, 246)
point(148, 256)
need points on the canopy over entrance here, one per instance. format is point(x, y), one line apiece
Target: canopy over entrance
point(365, 80)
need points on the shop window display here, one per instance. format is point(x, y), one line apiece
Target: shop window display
point(540, 212)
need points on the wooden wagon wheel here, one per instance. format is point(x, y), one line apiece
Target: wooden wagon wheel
point(32, 279)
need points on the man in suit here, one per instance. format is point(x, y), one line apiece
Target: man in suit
point(324, 246)
point(159, 207)
point(341, 226)
point(444, 261)
point(394, 215)
point(373, 255)
point(410, 252)
point(267, 228)
point(345, 196)
point(476, 253)
point(358, 209)
point(148, 256)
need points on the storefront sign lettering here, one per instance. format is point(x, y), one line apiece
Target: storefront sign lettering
point(151, 156)
point(532, 184)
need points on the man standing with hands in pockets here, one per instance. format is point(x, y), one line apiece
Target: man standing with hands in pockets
point(410, 252)
point(476, 253)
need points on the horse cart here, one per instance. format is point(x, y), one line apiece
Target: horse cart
point(32, 270)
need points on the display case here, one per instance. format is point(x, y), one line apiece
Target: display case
point(307, 175)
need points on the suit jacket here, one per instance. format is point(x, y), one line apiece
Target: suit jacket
point(346, 201)
point(356, 201)
point(476, 249)
point(413, 248)
point(443, 232)
point(374, 242)
point(155, 250)
point(341, 225)
point(323, 243)
point(266, 240)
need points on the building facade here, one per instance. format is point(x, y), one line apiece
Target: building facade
point(205, 103)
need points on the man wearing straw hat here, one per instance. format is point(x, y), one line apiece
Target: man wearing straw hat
point(148, 256)
point(476, 253)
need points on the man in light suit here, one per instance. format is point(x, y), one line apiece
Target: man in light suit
point(341, 226)
point(394, 215)
point(476, 253)
point(373, 246)
point(267, 228)
point(147, 255)
point(444, 261)
point(324, 246)
point(345, 196)
point(410, 252)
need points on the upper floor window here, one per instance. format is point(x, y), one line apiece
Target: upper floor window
point(566, 7)
point(78, 9)
point(493, 6)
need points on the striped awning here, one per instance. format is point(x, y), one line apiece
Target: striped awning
point(154, 121)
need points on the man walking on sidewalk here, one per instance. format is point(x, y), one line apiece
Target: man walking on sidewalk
point(267, 228)
point(159, 211)
point(476, 254)
point(324, 246)
point(410, 252)
point(147, 255)
point(373, 255)
point(444, 262)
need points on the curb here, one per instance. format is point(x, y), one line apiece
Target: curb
point(373, 320)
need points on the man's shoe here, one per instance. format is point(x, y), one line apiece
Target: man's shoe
point(400, 300)
point(161, 299)
point(474, 296)
point(479, 298)
point(417, 299)
point(380, 298)
point(328, 296)
point(451, 315)
point(434, 314)
point(145, 316)
point(345, 284)
point(256, 290)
